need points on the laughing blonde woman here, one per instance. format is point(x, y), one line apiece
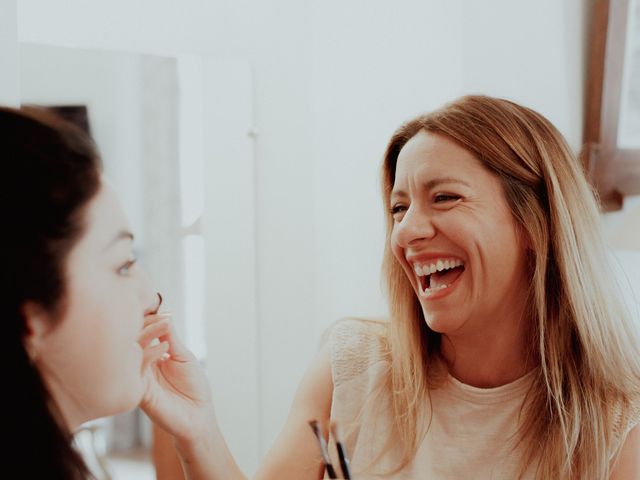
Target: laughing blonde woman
point(507, 354)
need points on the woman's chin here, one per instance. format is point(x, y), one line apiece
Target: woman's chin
point(439, 324)
point(128, 399)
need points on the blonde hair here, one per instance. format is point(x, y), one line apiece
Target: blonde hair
point(585, 344)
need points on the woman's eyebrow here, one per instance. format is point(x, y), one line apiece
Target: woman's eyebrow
point(430, 185)
point(435, 182)
point(122, 235)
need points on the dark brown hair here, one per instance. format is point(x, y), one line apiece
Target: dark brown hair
point(51, 170)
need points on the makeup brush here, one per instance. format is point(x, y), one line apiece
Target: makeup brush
point(159, 303)
point(165, 356)
point(342, 454)
point(323, 448)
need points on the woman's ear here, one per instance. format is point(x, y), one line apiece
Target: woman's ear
point(38, 324)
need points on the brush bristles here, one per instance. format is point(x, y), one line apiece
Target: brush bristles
point(159, 303)
point(323, 446)
point(314, 426)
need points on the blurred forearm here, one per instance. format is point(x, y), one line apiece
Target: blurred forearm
point(208, 458)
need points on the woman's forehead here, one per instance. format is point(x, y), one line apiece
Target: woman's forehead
point(105, 220)
point(431, 155)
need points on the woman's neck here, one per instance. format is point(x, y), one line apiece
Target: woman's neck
point(67, 408)
point(488, 358)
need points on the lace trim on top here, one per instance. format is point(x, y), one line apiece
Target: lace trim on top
point(355, 346)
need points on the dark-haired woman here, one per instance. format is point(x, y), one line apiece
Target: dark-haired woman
point(79, 314)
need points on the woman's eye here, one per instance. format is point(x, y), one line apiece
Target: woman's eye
point(445, 197)
point(125, 269)
point(397, 209)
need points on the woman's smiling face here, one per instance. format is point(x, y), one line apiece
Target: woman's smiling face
point(456, 238)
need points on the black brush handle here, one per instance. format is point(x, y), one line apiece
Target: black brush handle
point(330, 471)
point(344, 463)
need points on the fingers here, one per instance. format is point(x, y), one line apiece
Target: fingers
point(159, 326)
point(156, 317)
point(154, 329)
point(154, 354)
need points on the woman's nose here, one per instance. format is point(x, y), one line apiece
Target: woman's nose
point(415, 226)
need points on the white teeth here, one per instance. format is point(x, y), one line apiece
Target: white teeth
point(431, 291)
point(438, 266)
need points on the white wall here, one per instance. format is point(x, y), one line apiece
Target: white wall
point(229, 230)
point(533, 52)
point(332, 80)
point(9, 57)
point(108, 83)
point(373, 68)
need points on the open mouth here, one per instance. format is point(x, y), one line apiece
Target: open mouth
point(438, 275)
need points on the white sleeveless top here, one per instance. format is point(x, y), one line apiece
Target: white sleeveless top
point(472, 430)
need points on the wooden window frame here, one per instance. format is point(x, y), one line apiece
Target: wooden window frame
point(614, 171)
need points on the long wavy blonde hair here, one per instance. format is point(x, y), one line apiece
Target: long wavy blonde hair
point(589, 376)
